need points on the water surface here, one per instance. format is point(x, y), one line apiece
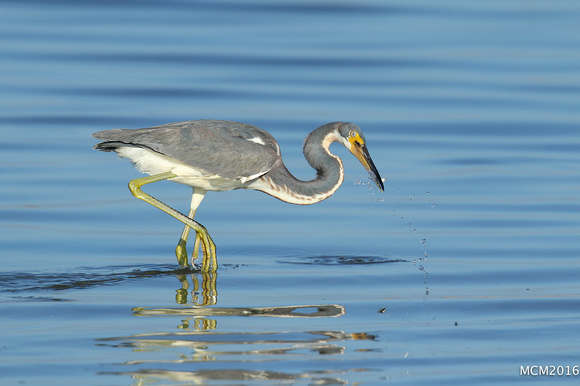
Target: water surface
point(463, 271)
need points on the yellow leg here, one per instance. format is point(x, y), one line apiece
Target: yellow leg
point(209, 263)
point(181, 250)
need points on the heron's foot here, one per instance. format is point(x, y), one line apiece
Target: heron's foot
point(209, 260)
point(203, 240)
point(181, 253)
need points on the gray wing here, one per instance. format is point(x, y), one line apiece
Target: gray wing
point(229, 149)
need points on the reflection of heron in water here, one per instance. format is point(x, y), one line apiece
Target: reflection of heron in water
point(206, 288)
point(223, 155)
point(306, 311)
point(191, 346)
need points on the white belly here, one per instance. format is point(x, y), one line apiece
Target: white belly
point(150, 162)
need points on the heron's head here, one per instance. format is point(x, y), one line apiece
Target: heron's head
point(353, 139)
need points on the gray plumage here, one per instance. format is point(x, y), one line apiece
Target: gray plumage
point(218, 147)
point(244, 156)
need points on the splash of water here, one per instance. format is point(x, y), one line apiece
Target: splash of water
point(419, 261)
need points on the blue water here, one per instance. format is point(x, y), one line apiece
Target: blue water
point(465, 269)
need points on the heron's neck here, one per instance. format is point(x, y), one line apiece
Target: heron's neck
point(280, 183)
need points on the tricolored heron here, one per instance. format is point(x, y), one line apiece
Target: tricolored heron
point(223, 155)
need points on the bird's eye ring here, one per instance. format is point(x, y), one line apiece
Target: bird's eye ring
point(353, 133)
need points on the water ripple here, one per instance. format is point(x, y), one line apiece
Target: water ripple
point(82, 278)
point(341, 260)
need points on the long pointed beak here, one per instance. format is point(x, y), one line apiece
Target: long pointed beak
point(362, 154)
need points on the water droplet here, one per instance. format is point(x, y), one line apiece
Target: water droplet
point(423, 241)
